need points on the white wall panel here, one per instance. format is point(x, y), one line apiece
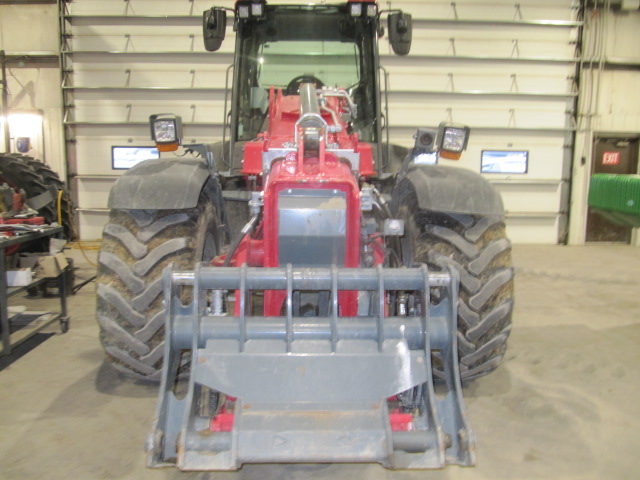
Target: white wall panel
point(619, 102)
point(34, 86)
point(623, 35)
point(152, 76)
point(511, 82)
point(123, 108)
point(146, 7)
point(532, 229)
point(92, 223)
point(482, 111)
point(93, 193)
point(506, 41)
point(490, 10)
point(496, 69)
point(29, 28)
point(443, 76)
point(172, 42)
point(530, 198)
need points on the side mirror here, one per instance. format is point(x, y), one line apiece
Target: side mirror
point(399, 26)
point(214, 26)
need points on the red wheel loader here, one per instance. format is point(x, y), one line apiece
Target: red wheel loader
point(304, 290)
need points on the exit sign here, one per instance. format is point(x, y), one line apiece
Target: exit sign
point(611, 158)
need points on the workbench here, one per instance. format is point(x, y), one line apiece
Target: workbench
point(11, 335)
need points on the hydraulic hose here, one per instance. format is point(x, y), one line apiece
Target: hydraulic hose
point(383, 206)
point(381, 203)
point(248, 228)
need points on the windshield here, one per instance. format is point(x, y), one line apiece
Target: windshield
point(335, 64)
point(294, 44)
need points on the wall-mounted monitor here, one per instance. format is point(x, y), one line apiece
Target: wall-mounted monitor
point(123, 158)
point(504, 161)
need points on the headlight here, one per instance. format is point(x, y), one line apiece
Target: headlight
point(166, 129)
point(372, 10)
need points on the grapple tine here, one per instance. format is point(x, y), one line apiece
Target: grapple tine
point(310, 389)
point(161, 443)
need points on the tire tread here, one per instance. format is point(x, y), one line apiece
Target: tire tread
point(137, 246)
point(480, 251)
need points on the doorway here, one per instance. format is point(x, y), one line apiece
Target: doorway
point(617, 155)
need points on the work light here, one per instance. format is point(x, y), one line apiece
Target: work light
point(355, 9)
point(243, 11)
point(257, 9)
point(166, 131)
point(453, 140)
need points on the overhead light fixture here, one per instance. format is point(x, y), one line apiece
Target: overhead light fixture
point(25, 124)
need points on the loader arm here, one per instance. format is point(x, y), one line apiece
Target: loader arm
point(275, 337)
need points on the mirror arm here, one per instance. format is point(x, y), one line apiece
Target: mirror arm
point(396, 10)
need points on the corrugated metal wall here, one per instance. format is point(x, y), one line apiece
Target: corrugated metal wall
point(504, 69)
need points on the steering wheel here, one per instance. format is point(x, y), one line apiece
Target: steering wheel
point(294, 84)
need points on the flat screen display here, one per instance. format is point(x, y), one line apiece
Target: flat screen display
point(504, 161)
point(123, 158)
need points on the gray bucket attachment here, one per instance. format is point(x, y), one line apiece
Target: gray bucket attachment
point(300, 389)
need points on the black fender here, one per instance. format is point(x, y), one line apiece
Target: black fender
point(447, 189)
point(162, 184)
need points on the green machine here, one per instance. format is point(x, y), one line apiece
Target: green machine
point(616, 197)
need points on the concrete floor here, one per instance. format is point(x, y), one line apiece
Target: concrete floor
point(564, 404)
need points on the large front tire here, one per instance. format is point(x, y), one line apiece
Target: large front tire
point(137, 245)
point(478, 248)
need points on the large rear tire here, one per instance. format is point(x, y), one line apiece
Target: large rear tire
point(136, 246)
point(34, 177)
point(49, 177)
point(18, 175)
point(478, 248)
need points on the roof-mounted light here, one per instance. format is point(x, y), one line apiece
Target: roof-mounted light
point(368, 9)
point(242, 11)
point(250, 9)
point(257, 9)
point(355, 9)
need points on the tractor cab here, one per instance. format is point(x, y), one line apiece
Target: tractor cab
point(284, 46)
